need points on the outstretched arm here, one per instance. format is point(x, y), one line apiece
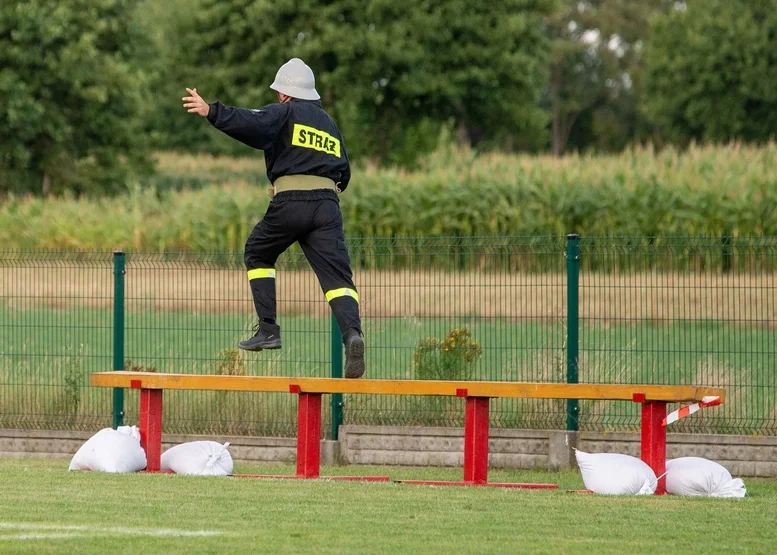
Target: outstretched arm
point(255, 128)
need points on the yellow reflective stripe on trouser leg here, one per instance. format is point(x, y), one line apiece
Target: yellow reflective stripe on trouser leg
point(261, 273)
point(342, 292)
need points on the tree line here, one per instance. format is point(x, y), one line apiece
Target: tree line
point(91, 87)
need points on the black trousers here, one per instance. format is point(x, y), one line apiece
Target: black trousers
point(313, 219)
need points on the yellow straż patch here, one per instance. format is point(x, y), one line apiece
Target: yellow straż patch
point(310, 137)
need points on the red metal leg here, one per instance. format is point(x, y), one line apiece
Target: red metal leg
point(151, 427)
point(476, 440)
point(309, 435)
point(654, 441)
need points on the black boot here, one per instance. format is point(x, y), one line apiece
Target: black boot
point(267, 336)
point(354, 354)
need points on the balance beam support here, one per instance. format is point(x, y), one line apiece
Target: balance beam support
point(476, 440)
point(151, 427)
point(653, 442)
point(309, 435)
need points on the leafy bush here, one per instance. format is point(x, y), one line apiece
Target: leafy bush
point(68, 398)
point(230, 363)
point(72, 72)
point(231, 409)
point(452, 358)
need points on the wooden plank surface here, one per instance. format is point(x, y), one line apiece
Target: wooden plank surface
point(522, 390)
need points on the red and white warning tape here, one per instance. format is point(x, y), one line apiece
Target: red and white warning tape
point(708, 401)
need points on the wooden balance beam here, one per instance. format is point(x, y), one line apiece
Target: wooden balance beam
point(653, 399)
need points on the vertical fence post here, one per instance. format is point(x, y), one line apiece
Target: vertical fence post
point(118, 334)
point(573, 271)
point(727, 251)
point(337, 372)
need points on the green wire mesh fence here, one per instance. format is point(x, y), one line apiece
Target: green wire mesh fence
point(699, 311)
point(186, 314)
point(55, 330)
point(464, 309)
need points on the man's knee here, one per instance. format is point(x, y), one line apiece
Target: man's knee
point(255, 257)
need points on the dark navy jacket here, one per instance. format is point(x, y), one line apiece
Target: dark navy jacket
point(297, 137)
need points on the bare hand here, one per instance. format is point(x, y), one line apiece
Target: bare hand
point(195, 103)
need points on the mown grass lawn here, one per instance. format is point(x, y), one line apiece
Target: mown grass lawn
point(46, 509)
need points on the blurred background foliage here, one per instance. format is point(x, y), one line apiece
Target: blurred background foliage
point(92, 89)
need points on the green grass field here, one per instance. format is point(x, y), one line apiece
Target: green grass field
point(46, 509)
point(47, 356)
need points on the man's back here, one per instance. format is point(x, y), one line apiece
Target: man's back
point(309, 143)
point(298, 138)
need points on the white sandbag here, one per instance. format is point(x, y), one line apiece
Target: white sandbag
point(701, 477)
point(132, 431)
point(111, 450)
point(198, 458)
point(616, 474)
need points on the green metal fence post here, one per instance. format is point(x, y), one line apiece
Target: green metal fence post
point(727, 251)
point(337, 372)
point(118, 334)
point(573, 272)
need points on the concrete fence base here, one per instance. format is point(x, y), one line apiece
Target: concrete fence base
point(744, 456)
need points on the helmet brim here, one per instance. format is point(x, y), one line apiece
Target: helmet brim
point(296, 92)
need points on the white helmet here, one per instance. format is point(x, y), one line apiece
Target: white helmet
point(295, 79)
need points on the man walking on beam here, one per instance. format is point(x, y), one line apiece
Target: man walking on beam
point(307, 164)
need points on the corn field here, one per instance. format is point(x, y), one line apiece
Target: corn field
point(210, 204)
